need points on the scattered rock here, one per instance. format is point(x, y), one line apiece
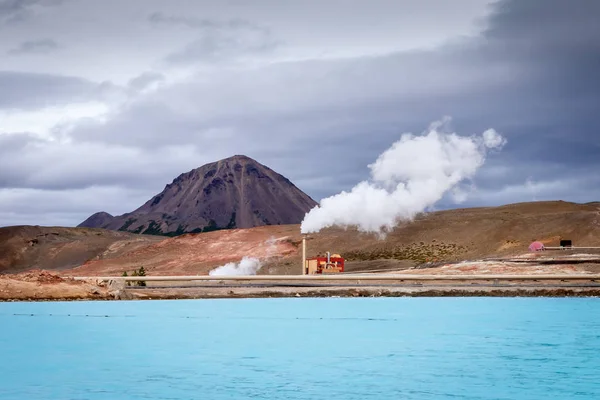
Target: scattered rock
point(121, 295)
point(40, 276)
point(116, 285)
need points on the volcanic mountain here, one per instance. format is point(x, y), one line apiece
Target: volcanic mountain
point(237, 192)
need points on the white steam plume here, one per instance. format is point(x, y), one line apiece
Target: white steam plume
point(248, 266)
point(406, 179)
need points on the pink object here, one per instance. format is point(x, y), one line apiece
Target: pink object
point(536, 246)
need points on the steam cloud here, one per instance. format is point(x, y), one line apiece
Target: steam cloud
point(248, 266)
point(406, 179)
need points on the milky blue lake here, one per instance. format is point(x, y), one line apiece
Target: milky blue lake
point(337, 348)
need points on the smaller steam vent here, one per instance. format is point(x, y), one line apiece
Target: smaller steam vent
point(537, 246)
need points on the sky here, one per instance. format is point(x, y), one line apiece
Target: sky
point(102, 103)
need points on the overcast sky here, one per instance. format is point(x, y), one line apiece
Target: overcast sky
point(102, 103)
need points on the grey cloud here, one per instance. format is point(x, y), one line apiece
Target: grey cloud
point(144, 80)
point(11, 145)
point(360, 106)
point(579, 189)
point(30, 162)
point(320, 122)
point(217, 40)
point(22, 90)
point(217, 47)
point(14, 10)
point(18, 10)
point(64, 207)
point(160, 19)
point(35, 47)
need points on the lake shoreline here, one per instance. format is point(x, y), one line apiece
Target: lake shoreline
point(45, 286)
point(242, 293)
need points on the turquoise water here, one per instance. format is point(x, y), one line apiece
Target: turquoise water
point(364, 348)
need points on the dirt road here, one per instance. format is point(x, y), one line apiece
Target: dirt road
point(45, 286)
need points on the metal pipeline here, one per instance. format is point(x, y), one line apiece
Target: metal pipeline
point(357, 277)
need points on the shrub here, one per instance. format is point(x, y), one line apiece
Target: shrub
point(141, 272)
point(128, 283)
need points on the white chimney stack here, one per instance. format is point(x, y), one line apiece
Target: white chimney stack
point(303, 255)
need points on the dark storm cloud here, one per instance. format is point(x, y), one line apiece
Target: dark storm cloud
point(35, 47)
point(550, 109)
point(29, 91)
point(543, 96)
point(531, 75)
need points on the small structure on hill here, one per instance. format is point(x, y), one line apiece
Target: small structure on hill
point(331, 263)
point(537, 246)
point(566, 243)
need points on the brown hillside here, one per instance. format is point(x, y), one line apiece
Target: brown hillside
point(24, 248)
point(440, 236)
point(237, 192)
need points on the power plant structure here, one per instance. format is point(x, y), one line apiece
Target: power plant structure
point(330, 263)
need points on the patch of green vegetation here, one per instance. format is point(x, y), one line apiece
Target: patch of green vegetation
point(212, 226)
point(127, 224)
point(154, 229)
point(128, 283)
point(231, 224)
point(157, 199)
point(141, 272)
point(139, 229)
point(418, 252)
point(180, 231)
point(260, 216)
point(138, 272)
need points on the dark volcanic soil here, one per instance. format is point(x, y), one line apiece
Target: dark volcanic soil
point(237, 192)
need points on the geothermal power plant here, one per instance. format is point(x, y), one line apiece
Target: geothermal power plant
point(330, 263)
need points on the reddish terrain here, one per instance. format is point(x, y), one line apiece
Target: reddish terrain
point(194, 254)
point(446, 236)
point(43, 285)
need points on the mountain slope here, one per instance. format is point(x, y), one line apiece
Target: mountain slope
point(450, 235)
point(99, 219)
point(23, 248)
point(237, 192)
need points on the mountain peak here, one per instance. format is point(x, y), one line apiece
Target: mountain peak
point(235, 192)
point(97, 219)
